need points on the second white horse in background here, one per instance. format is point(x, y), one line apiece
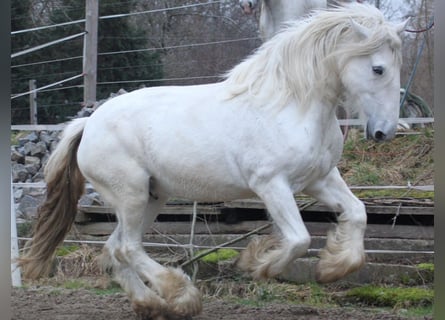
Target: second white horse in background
point(275, 13)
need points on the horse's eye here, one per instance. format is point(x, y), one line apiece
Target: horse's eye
point(378, 70)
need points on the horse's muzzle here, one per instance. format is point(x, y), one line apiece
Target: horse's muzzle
point(380, 130)
point(247, 6)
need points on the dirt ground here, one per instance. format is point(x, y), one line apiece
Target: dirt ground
point(66, 304)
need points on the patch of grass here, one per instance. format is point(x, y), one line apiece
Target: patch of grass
point(112, 288)
point(66, 250)
point(55, 292)
point(259, 294)
point(426, 272)
point(318, 296)
point(364, 174)
point(76, 284)
point(426, 266)
point(394, 193)
point(15, 135)
point(405, 158)
point(391, 296)
point(219, 255)
point(418, 312)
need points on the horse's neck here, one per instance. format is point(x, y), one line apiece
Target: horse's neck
point(281, 11)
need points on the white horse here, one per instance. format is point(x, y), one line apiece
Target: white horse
point(268, 129)
point(274, 14)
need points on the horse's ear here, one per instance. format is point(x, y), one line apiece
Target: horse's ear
point(400, 27)
point(361, 30)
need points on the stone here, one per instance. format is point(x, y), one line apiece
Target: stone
point(18, 193)
point(32, 169)
point(46, 137)
point(31, 160)
point(91, 199)
point(39, 176)
point(32, 137)
point(53, 146)
point(28, 206)
point(39, 149)
point(44, 160)
point(19, 172)
point(17, 156)
point(28, 147)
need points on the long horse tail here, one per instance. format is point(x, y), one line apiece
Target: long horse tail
point(65, 186)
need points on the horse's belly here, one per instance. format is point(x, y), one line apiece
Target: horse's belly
point(199, 187)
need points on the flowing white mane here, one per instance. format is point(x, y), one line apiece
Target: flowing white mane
point(296, 62)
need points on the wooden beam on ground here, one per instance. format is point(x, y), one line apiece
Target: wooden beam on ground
point(314, 228)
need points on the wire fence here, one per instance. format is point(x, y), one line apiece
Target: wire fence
point(130, 84)
point(203, 77)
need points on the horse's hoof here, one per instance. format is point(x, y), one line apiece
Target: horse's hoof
point(251, 259)
point(331, 268)
point(183, 298)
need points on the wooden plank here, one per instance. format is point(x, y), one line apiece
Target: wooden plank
point(38, 127)
point(314, 228)
point(370, 208)
point(168, 209)
point(393, 210)
point(84, 214)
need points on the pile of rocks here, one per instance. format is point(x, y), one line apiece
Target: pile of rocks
point(28, 159)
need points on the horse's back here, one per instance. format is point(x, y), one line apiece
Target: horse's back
point(178, 136)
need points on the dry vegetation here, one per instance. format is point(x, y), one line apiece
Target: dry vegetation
point(406, 160)
point(76, 276)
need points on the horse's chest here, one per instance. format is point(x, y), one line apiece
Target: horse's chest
point(313, 162)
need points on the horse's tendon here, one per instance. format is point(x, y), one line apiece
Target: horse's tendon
point(56, 215)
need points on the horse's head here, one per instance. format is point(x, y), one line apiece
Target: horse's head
point(371, 78)
point(248, 5)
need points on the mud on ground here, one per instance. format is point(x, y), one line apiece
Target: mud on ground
point(50, 303)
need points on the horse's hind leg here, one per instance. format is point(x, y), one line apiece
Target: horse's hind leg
point(155, 291)
point(267, 257)
point(344, 251)
point(182, 297)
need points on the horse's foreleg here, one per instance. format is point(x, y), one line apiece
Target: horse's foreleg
point(267, 257)
point(344, 251)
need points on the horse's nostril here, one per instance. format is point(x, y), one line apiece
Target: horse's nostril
point(379, 136)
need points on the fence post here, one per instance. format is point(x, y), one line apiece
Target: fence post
point(15, 270)
point(32, 102)
point(90, 52)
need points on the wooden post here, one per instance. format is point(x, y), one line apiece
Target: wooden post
point(15, 270)
point(32, 102)
point(90, 52)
